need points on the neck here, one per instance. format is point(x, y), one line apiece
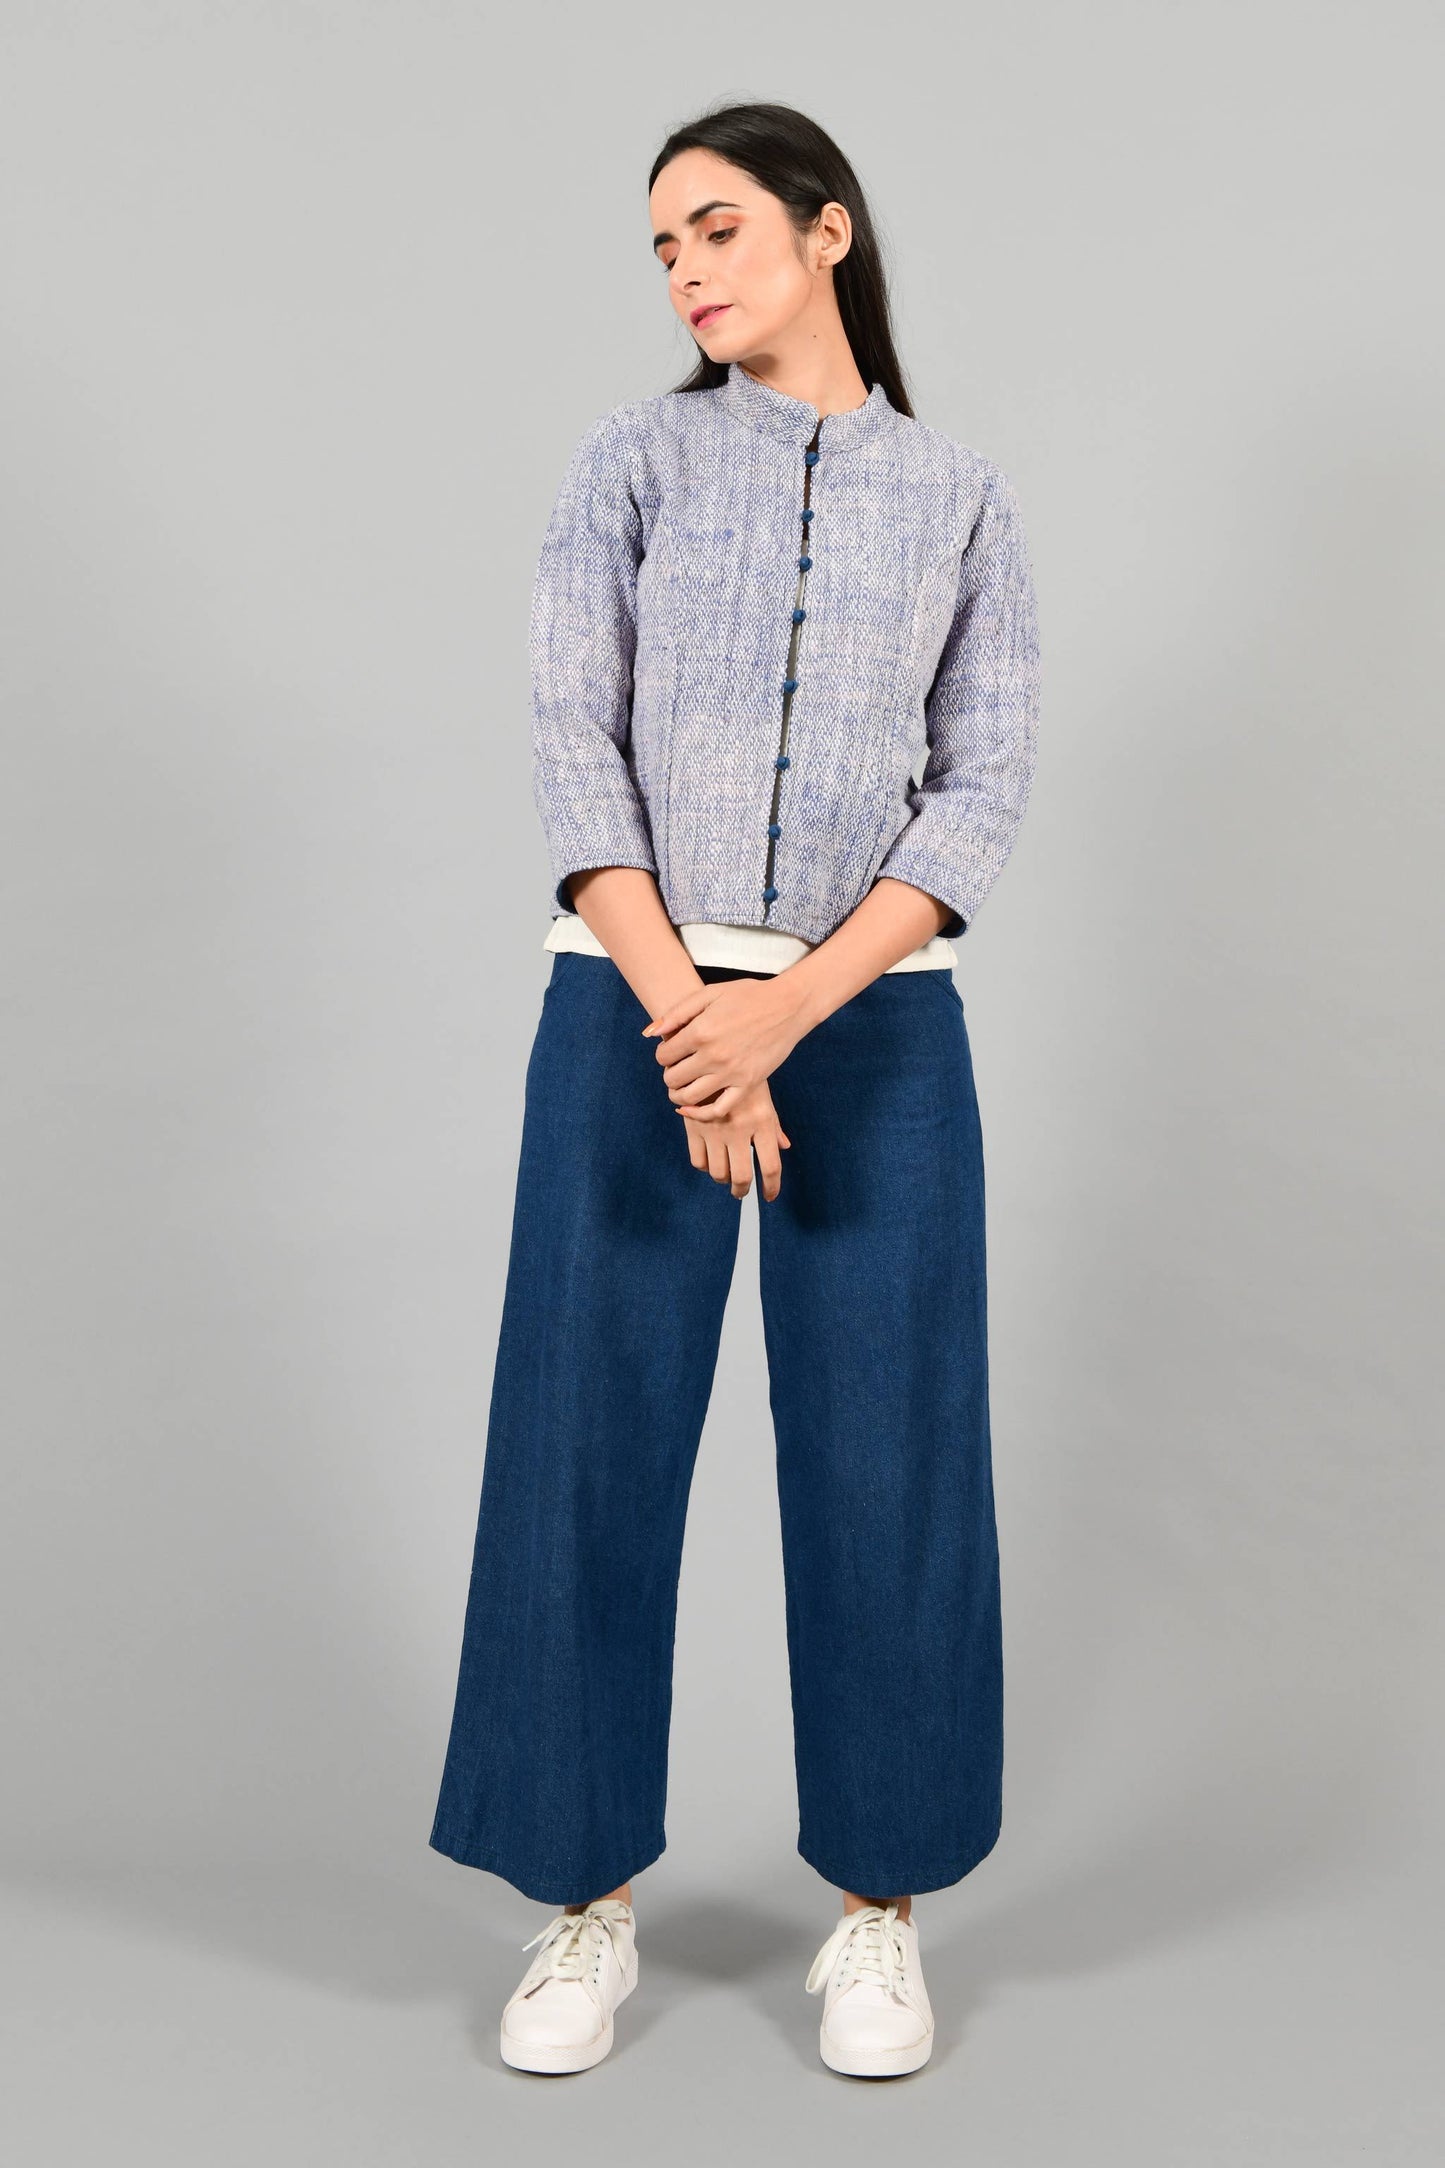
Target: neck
point(827, 378)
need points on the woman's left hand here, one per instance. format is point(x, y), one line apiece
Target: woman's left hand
point(722, 1040)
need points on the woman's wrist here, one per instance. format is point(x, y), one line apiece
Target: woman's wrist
point(802, 996)
point(893, 919)
point(623, 907)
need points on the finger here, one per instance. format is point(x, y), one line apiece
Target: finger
point(672, 1053)
point(713, 1110)
point(670, 1019)
point(717, 1157)
point(770, 1166)
point(679, 1012)
point(681, 1067)
point(740, 1156)
point(709, 1088)
point(681, 1064)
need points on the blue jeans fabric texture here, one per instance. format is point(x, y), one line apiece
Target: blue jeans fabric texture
point(872, 1262)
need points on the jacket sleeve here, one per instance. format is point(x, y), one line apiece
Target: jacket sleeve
point(581, 643)
point(982, 720)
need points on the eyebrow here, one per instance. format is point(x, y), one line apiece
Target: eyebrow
point(702, 210)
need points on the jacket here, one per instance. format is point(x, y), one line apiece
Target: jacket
point(747, 628)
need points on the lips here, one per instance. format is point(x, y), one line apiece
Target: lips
point(709, 313)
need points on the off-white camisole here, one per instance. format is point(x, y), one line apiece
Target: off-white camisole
point(744, 948)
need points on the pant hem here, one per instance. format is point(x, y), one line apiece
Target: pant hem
point(904, 1881)
point(544, 1885)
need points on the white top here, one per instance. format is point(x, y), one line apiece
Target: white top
point(743, 948)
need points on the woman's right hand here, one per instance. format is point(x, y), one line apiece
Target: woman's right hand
point(724, 1148)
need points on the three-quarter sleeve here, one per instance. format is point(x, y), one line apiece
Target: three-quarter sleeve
point(982, 722)
point(581, 643)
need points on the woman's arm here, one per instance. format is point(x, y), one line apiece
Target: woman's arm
point(982, 715)
point(582, 642)
point(624, 908)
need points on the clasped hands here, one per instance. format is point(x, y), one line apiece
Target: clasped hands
point(717, 1046)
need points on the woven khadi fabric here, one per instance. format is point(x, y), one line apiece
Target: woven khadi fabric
point(749, 627)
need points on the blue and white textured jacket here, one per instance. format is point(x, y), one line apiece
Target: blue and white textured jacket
point(747, 628)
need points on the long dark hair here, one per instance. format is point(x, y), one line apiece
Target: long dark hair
point(800, 164)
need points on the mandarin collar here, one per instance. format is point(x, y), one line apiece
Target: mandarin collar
point(777, 414)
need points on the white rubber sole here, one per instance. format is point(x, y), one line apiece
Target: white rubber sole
point(569, 2055)
point(876, 2062)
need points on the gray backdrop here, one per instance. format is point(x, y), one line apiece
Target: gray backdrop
point(276, 898)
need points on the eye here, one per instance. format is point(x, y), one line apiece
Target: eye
point(719, 233)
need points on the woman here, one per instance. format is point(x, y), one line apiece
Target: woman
point(761, 597)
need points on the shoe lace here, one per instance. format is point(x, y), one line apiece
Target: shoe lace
point(871, 1946)
point(570, 1941)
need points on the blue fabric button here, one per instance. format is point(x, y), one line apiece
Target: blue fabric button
point(798, 616)
point(807, 511)
point(790, 685)
point(810, 459)
point(805, 564)
point(781, 761)
point(775, 828)
point(768, 894)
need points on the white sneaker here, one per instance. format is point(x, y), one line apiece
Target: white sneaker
point(560, 2017)
point(877, 2019)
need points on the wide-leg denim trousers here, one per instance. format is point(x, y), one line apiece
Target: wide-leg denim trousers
point(873, 1298)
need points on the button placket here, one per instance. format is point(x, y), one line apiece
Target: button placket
point(782, 759)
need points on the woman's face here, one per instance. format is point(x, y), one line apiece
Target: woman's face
point(734, 272)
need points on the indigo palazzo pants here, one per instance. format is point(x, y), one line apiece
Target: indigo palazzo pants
point(874, 1307)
